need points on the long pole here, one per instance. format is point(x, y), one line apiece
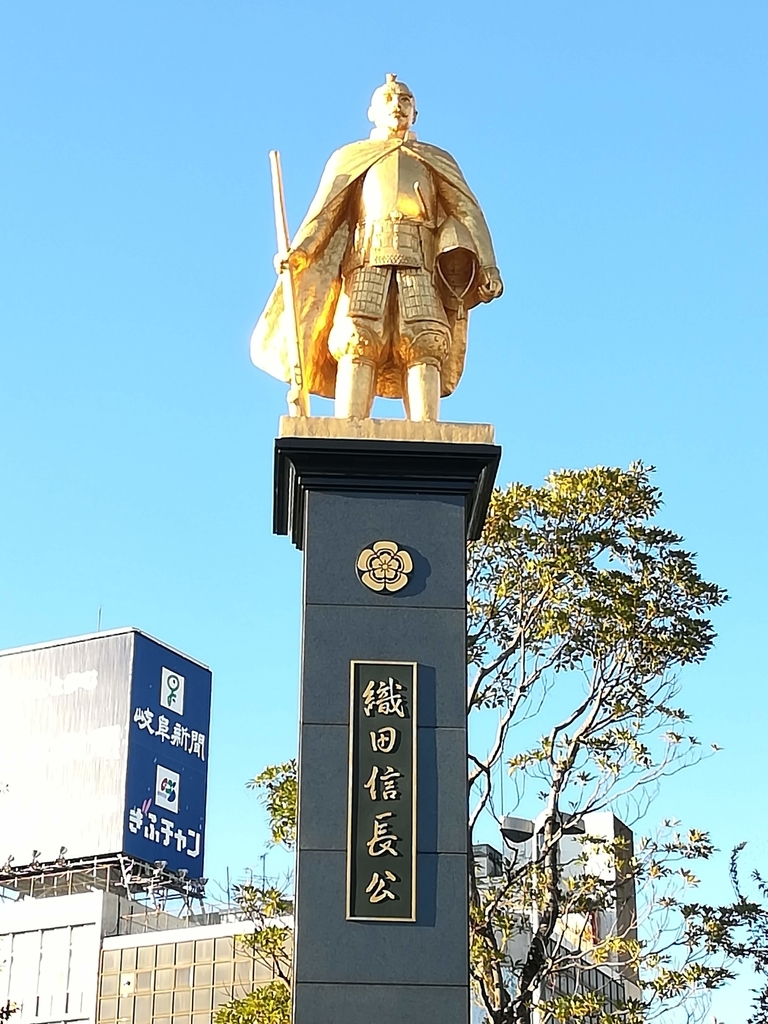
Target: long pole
point(298, 400)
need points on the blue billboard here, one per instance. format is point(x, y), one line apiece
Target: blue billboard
point(167, 769)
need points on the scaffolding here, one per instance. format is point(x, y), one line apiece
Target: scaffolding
point(151, 897)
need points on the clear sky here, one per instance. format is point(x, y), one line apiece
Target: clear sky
point(620, 153)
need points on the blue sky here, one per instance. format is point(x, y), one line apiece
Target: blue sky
point(620, 152)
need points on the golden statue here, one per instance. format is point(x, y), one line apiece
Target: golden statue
point(376, 287)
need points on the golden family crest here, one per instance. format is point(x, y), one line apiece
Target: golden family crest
point(384, 566)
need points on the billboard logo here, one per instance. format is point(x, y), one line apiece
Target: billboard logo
point(167, 789)
point(172, 691)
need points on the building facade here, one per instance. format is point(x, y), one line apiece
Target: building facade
point(103, 778)
point(67, 960)
point(175, 977)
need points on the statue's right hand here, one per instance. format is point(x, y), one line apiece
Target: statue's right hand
point(295, 260)
point(490, 285)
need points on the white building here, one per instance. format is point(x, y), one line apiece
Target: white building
point(576, 933)
point(88, 958)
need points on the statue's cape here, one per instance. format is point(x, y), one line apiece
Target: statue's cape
point(317, 287)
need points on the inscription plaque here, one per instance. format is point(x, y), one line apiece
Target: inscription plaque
point(381, 839)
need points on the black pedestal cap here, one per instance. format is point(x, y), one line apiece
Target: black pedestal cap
point(403, 467)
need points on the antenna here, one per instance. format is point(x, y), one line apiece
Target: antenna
point(98, 620)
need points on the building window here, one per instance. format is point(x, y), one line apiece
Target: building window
point(185, 952)
point(142, 1010)
point(128, 959)
point(107, 1009)
point(182, 1002)
point(203, 950)
point(223, 948)
point(110, 961)
point(162, 1007)
point(166, 955)
point(145, 958)
point(109, 985)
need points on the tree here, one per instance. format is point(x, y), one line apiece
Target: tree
point(270, 910)
point(268, 1004)
point(739, 928)
point(747, 923)
point(749, 918)
point(581, 612)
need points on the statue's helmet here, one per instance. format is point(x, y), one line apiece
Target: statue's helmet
point(385, 92)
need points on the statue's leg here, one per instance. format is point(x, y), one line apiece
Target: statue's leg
point(357, 340)
point(424, 346)
point(423, 386)
point(423, 340)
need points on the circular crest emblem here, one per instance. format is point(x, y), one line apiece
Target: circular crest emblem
point(384, 567)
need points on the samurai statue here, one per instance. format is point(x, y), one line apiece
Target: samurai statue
point(392, 255)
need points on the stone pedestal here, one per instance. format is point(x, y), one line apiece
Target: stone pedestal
point(358, 959)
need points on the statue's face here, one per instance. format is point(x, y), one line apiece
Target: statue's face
point(393, 111)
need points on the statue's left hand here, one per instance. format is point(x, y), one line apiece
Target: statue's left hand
point(491, 286)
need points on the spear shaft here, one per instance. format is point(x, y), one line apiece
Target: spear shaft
point(298, 403)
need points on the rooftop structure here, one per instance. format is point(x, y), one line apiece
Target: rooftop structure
point(105, 752)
